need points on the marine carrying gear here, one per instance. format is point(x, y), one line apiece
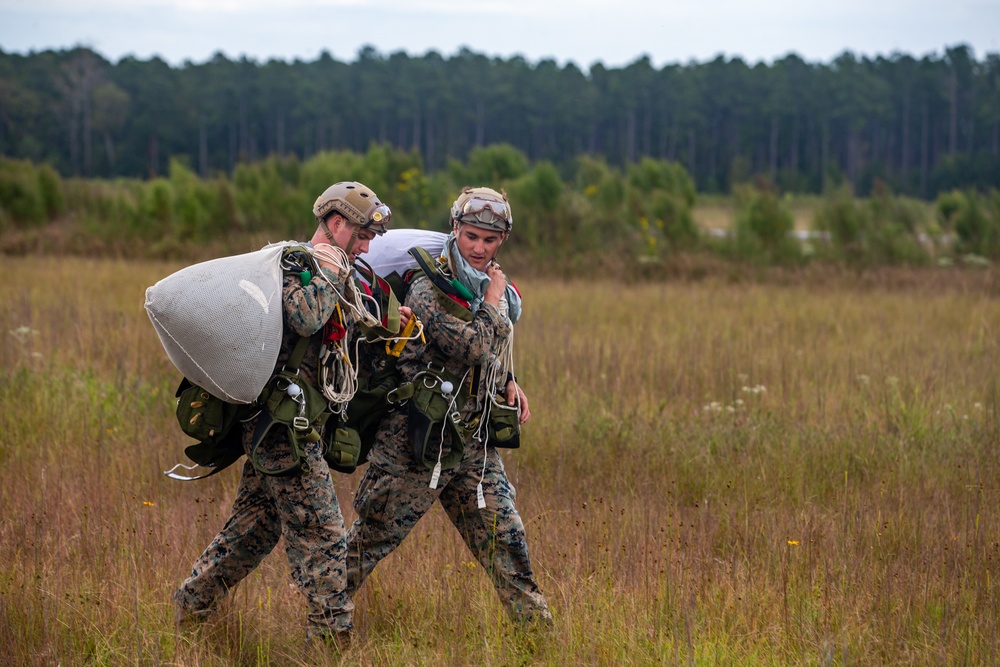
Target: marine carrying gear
point(282, 401)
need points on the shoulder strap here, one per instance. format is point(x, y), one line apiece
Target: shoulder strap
point(298, 352)
point(431, 270)
point(452, 295)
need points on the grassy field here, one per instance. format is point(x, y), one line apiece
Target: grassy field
point(716, 473)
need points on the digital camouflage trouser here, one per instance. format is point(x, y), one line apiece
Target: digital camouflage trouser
point(303, 508)
point(390, 504)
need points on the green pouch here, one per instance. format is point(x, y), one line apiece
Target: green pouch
point(285, 408)
point(369, 407)
point(204, 417)
point(342, 448)
point(301, 411)
point(504, 428)
point(432, 413)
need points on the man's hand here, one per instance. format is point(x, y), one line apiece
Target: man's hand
point(328, 250)
point(514, 394)
point(404, 316)
point(498, 283)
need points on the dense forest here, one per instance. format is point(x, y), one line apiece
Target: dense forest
point(918, 126)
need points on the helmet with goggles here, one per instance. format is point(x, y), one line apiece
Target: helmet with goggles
point(356, 203)
point(483, 207)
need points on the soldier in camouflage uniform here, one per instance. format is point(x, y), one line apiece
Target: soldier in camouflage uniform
point(397, 488)
point(301, 507)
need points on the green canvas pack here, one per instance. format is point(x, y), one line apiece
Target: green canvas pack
point(504, 426)
point(214, 423)
point(435, 397)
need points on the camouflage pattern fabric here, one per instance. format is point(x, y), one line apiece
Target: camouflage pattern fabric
point(302, 507)
point(395, 492)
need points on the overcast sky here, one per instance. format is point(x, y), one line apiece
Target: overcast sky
point(613, 32)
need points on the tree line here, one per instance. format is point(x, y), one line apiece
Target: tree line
point(919, 126)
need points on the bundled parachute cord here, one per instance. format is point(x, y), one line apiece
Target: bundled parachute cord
point(352, 298)
point(499, 367)
point(436, 475)
point(338, 375)
point(338, 378)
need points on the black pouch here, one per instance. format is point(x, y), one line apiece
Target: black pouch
point(369, 407)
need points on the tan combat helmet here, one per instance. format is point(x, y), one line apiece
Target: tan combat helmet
point(356, 202)
point(483, 207)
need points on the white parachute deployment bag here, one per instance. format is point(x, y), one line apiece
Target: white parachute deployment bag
point(388, 253)
point(220, 321)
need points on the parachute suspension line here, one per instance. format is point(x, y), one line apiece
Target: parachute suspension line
point(338, 378)
point(354, 299)
point(496, 373)
point(351, 297)
point(444, 424)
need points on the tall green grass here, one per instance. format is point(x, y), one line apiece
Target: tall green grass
point(566, 217)
point(715, 473)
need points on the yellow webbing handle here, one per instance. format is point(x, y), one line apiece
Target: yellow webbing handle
point(395, 349)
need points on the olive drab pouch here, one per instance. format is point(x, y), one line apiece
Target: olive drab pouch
point(204, 417)
point(214, 423)
point(433, 413)
point(504, 427)
point(342, 448)
point(296, 406)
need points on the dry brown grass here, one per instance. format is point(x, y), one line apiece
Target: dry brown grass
point(717, 473)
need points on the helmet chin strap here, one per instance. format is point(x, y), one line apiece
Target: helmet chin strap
point(326, 230)
point(350, 243)
point(354, 237)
